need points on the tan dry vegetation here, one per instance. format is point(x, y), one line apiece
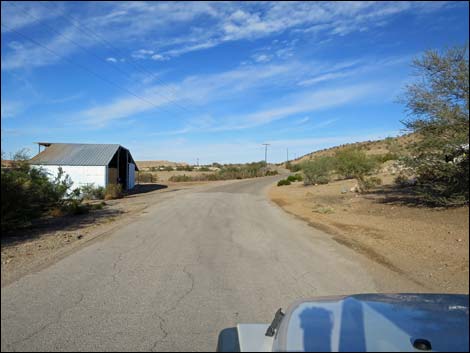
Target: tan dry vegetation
point(428, 245)
point(155, 164)
point(370, 147)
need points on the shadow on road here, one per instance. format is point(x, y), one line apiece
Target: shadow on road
point(69, 223)
point(144, 188)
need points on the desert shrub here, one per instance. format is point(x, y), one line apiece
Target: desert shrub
point(293, 167)
point(292, 178)
point(283, 182)
point(382, 158)
point(28, 193)
point(403, 180)
point(186, 168)
point(113, 191)
point(298, 177)
point(271, 172)
point(90, 192)
point(295, 177)
point(204, 169)
point(147, 177)
point(318, 170)
point(75, 207)
point(180, 178)
point(438, 106)
point(352, 162)
point(98, 206)
point(367, 183)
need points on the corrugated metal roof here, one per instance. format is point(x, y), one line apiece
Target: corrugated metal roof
point(76, 154)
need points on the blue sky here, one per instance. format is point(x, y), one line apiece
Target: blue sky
point(181, 81)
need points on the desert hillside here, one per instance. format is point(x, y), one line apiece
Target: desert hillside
point(389, 144)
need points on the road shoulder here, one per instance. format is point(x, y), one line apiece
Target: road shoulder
point(429, 247)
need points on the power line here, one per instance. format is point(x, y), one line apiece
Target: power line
point(82, 67)
point(82, 47)
point(89, 32)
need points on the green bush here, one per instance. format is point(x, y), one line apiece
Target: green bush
point(382, 158)
point(318, 170)
point(295, 177)
point(283, 182)
point(271, 172)
point(293, 167)
point(438, 104)
point(292, 178)
point(90, 192)
point(75, 207)
point(352, 162)
point(113, 191)
point(367, 183)
point(28, 193)
point(298, 177)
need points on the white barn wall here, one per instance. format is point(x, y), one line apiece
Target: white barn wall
point(80, 175)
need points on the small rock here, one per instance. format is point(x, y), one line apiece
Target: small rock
point(459, 240)
point(79, 236)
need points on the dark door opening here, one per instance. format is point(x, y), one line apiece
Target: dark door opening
point(123, 168)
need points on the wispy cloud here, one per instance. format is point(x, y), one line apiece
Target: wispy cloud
point(11, 108)
point(225, 22)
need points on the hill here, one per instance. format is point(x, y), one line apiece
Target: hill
point(387, 145)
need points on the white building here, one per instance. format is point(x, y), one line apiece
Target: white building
point(97, 164)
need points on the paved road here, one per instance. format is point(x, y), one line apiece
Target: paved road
point(185, 269)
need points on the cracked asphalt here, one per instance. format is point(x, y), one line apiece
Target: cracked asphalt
point(171, 279)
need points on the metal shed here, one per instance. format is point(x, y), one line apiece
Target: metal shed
point(98, 164)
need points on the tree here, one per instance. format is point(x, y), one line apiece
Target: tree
point(438, 107)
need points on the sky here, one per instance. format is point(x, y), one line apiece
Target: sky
point(210, 81)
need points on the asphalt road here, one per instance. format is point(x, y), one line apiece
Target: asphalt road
point(185, 269)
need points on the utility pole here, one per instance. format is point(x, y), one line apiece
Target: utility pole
point(197, 159)
point(287, 155)
point(266, 152)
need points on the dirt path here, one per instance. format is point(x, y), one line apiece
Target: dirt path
point(429, 246)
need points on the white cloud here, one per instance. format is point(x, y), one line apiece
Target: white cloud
point(175, 28)
point(302, 103)
point(111, 59)
point(14, 16)
point(11, 108)
point(261, 58)
point(158, 57)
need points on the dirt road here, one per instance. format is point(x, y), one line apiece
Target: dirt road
point(183, 270)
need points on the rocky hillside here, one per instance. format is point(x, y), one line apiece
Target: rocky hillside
point(388, 145)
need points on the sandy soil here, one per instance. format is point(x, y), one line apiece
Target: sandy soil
point(428, 245)
point(51, 239)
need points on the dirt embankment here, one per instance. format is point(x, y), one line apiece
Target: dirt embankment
point(427, 245)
